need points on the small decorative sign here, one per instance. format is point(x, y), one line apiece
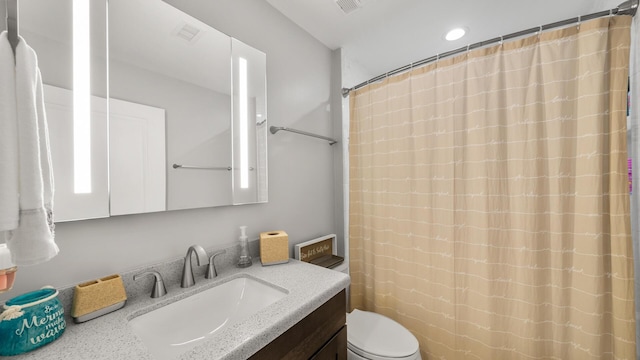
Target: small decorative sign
point(313, 251)
point(321, 251)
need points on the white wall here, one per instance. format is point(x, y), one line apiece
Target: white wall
point(301, 181)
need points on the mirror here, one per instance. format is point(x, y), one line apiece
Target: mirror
point(182, 133)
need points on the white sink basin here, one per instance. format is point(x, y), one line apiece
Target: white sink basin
point(178, 327)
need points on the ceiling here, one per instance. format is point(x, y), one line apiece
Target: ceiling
point(383, 35)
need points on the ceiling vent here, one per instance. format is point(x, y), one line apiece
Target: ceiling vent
point(349, 6)
point(187, 32)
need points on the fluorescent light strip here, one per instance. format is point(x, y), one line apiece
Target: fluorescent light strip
point(81, 98)
point(244, 119)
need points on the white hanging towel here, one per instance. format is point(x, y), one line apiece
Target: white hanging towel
point(9, 206)
point(32, 242)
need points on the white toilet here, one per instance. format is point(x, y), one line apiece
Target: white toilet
point(372, 336)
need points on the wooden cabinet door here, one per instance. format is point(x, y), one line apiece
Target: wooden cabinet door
point(335, 349)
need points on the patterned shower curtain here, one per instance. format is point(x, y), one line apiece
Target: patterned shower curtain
point(489, 203)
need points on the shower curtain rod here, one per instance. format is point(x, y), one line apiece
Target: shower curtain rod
point(12, 23)
point(628, 7)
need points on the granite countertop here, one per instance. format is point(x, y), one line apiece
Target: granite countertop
point(110, 337)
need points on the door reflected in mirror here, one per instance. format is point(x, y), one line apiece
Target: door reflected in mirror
point(137, 162)
point(70, 204)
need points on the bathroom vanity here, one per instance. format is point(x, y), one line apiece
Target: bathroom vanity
point(320, 335)
point(307, 322)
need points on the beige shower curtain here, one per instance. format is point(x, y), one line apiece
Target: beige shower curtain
point(489, 199)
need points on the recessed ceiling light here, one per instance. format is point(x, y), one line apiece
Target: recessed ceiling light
point(455, 34)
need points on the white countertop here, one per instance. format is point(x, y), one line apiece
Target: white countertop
point(109, 336)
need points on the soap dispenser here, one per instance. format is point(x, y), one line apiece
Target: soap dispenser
point(7, 269)
point(245, 258)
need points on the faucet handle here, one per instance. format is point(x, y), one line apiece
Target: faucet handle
point(158, 286)
point(211, 269)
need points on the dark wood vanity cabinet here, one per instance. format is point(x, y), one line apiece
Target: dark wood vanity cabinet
point(335, 349)
point(322, 335)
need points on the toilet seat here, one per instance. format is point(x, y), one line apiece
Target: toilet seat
point(359, 354)
point(376, 337)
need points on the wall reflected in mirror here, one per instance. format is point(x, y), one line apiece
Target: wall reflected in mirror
point(173, 130)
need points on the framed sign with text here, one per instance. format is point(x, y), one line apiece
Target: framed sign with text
point(321, 251)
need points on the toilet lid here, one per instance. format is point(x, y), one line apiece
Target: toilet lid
point(378, 335)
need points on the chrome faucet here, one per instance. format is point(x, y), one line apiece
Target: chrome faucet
point(187, 270)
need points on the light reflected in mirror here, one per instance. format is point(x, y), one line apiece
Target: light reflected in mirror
point(249, 124)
